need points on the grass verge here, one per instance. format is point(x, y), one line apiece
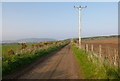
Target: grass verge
point(94, 70)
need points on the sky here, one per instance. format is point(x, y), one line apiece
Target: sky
point(59, 0)
point(58, 20)
point(0, 22)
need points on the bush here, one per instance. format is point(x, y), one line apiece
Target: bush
point(11, 52)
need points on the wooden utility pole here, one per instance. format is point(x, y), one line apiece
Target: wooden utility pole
point(80, 8)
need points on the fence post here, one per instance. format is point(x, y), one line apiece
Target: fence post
point(100, 50)
point(92, 47)
point(84, 46)
point(115, 59)
point(87, 47)
point(92, 59)
point(118, 61)
point(21, 51)
point(109, 56)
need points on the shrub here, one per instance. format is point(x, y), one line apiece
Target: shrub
point(24, 46)
point(11, 52)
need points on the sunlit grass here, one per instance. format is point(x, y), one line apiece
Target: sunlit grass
point(93, 70)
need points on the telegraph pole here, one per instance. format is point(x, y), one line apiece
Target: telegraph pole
point(80, 8)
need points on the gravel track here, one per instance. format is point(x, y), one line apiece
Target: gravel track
point(61, 65)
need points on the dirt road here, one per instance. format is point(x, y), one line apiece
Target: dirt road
point(61, 65)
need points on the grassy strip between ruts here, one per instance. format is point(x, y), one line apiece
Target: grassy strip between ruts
point(93, 70)
point(17, 62)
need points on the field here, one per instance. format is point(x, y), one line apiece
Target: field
point(111, 42)
point(106, 48)
point(6, 48)
point(15, 47)
point(104, 41)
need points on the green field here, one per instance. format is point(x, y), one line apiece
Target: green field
point(15, 47)
point(6, 48)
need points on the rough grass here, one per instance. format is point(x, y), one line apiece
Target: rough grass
point(94, 70)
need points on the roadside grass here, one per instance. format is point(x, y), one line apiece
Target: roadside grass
point(94, 70)
point(14, 63)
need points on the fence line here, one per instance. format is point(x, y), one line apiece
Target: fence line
point(103, 52)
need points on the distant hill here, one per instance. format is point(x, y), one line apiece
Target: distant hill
point(29, 40)
point(99, 37)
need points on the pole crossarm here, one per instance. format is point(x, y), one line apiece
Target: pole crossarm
point(80, 7)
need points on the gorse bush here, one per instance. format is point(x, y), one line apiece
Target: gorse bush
point(24, 46)
point(11, 52)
